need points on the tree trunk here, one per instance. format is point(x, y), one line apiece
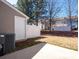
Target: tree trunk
point(69, 6)
point(50, 25)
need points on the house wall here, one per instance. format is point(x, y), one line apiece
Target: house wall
point(7, 16)
point(7, 23)
point(62, 25)
point(62, 28)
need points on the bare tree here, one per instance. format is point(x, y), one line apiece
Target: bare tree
point(53, 10)
point(71, 10)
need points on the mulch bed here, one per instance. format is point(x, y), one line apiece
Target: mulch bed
point(61, 33)
point(27, 43)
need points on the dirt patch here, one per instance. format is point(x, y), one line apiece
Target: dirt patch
point(28, 43)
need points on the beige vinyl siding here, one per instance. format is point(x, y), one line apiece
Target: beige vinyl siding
point(7, 17)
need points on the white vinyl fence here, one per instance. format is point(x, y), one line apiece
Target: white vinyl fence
point(33, 31)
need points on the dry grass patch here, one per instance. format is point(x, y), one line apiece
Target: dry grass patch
point(67, 42)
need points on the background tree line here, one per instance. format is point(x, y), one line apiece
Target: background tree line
point(32, 8)
point(37, 9)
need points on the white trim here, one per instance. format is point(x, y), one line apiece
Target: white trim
point(8, 4)
point(24, 34)
point(25, 28)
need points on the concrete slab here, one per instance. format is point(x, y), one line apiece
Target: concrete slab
point(42, 51)
point(54, 52)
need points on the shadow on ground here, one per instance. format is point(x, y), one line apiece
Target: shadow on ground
point(26, 53)
point(28, 43)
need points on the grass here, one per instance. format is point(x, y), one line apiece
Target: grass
point(66, 42)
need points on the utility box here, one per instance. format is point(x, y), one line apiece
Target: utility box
point(2, 42)
point(8, 40)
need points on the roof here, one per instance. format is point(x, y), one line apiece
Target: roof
point(72, 17)
point(11, 6)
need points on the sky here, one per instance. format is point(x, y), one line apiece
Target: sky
point(12, 1)
point(62, 5)
point(63, 13)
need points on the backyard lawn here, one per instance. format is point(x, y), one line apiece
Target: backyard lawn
point(66, 42)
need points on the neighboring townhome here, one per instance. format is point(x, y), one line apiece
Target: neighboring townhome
point(74, 22)
point(62, 24)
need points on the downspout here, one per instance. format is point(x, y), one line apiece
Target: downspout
point(25, 28)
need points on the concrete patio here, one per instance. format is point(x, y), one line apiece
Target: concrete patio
point(42, 51)
point(54, 52)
